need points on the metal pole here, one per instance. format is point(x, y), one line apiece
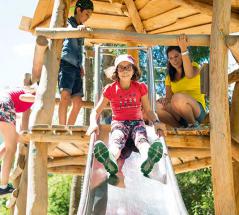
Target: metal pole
point(97, 69)
point(130, 47)
point(150, 75)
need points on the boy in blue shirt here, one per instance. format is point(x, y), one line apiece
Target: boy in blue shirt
point(71, 70)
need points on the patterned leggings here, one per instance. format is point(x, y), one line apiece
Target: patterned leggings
point(121, 131)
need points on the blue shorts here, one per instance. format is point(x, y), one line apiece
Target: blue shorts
point(69, 79)
point(200, 118)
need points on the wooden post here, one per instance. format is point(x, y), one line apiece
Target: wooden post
point(134, 52)
point(224, 198)
point(236, 182)
point(38, 59)
point(21, 181)
point(37, 193)
point(75, 194)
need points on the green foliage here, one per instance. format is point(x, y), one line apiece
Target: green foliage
point(59, 194)
point(196, 189)
point(3, 209)
point(199, 54)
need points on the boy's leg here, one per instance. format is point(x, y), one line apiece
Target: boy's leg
point(77, 94)
point(10, 136)
point(66, 81)
point(63, 105)
point(76, 106)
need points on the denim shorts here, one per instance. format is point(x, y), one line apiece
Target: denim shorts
point(69, 79)
point(200, 118)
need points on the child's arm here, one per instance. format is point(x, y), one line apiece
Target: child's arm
point(160, 128)
point(27, 97)
point(95, 113)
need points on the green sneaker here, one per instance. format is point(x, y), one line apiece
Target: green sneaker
point(154, 155)
point(103, 155)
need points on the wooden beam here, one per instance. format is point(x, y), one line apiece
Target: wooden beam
point(220, 138)
point(43, 137)
point(189, 152)
point(119, 35)
point(236, 182)
point(38, 59)
point(235, 150)
point(192, 165)
point(25, 23)
point(67, 161)
point(233, 45)
point(134, 15)
point(186, 141)
point(235, 114)
point(37, 193)
point(203, 131)
point(140, 3)
point(69, 170)
point(233, 77)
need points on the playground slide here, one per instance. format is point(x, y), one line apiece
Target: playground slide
point(131, 193)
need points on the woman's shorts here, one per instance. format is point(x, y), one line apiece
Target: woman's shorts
point(200, 118)
point(7, 111)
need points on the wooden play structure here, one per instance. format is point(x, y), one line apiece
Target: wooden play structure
point(63, 149)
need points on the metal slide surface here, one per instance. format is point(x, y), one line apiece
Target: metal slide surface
point(131, 193)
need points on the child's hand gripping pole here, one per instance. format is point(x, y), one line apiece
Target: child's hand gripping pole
point(160, 128)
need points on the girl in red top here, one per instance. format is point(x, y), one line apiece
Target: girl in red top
point(11, 102)
point(126, 96)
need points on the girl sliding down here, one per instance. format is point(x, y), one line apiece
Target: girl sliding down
point(126, 96)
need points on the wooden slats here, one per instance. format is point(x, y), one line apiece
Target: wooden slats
point(192, 165)
point(187, 22)
point(69, 170)
point(173, 16)
point(199, 29)
point(202, 131)
point(140, 3)
point(108, 21)
point(155, 7)
point(66, 161)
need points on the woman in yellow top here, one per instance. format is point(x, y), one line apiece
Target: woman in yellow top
point(184, 104)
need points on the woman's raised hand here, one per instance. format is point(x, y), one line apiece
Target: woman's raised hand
point(183, 42)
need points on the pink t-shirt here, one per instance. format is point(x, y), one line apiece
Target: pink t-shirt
point(125, 104)
point(19, 105)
